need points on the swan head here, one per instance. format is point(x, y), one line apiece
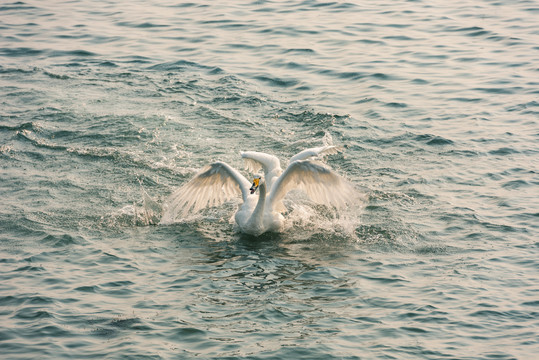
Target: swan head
point(256, 184)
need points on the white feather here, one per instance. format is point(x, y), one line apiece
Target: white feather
point(251, 165)
point(318, 151)
point(321, 184)
point(212, 186)
point(261, 212)
point(271, 165)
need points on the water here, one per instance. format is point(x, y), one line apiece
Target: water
point(108, 106)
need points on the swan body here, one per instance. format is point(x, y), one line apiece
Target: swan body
point(260, 212)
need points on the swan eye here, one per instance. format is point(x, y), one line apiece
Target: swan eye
point(256, 182)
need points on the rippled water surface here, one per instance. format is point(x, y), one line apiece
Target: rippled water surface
point(106, 107)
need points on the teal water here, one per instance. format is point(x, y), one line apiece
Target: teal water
point(106, 107)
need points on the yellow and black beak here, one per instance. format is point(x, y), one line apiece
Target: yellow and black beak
point(256, 182)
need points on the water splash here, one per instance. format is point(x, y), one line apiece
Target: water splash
point(306, 218)
point(146, 212)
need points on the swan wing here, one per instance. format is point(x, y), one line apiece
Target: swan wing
point(212, 186)
point(255, 161)
point(318, 151)
point(322, 184)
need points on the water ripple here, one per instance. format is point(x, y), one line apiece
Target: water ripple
point(106, 110)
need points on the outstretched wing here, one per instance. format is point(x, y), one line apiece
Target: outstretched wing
point(322, 184)
point(318, 151)
point(255, 161)
point(212, 186)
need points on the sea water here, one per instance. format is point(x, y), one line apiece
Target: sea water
point(107, 107)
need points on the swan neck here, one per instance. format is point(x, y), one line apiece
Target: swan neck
point(259, 210)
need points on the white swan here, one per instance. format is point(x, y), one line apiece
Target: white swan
point(260, 213)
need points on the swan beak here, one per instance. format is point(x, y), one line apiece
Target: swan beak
point(253, 188)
